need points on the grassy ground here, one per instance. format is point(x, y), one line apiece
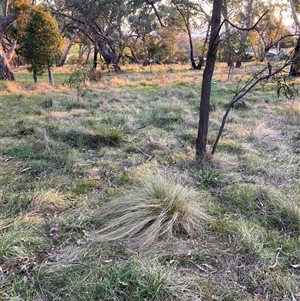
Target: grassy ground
point(101, 198)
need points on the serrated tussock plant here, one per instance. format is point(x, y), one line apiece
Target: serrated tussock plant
point(157, 208)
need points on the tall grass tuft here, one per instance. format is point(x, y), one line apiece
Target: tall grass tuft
point(158, 208)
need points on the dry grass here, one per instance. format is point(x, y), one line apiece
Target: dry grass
point(159, 208)
point(13, 88)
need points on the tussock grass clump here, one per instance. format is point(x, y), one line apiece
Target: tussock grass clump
point(158, 208)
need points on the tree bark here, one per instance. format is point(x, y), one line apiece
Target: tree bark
point(50, 76)
point(5, 69)
point(34, 75)
point(67, 50)
point(11, 52)
point(295, 66)
point(206, 81)
point(95, 58)
point(109, 57)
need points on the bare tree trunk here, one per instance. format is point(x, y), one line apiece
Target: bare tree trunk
point(34, 75)
point(50, 76)
point(294, 14)
point(295, 66)
point(5, 69)
point(109, 57)
point(194, 65)
point(186, 21)
point(206, 81)
point(95, 58)
point(67, 50)
point(245, 34)
point(133, 56)
point(88, 54)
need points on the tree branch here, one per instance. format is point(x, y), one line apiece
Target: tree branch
point(245, 90)
point(151, 2)
point(243, 28)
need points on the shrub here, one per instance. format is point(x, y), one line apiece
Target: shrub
point(74, 59)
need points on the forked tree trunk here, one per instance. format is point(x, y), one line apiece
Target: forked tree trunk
point(109, 57)
point(206, 80)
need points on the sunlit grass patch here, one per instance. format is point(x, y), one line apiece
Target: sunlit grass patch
point(119, 82)
point(47, 201)
point(290, 110)
point(13, 88)
point(231, 146)
point(24, 150)
point(255, 164)
point(83, 186)
point(259, 134)
point(155, 281)
point(248, 238)
point(159, 208)
point(188, 136)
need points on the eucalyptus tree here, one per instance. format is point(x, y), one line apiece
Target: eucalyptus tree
point(153, 38)
point(234, 41)
point(270, 30)
point(214, 41)
point(142, 34)
point(192, 14)
point(104, 22)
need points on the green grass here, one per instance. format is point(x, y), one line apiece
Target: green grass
point(101, 198)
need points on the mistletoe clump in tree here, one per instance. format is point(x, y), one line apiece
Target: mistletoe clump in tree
point(40, 46)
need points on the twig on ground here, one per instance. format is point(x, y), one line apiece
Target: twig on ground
point(204, 267)
point(278, 251)
point(149, 157)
